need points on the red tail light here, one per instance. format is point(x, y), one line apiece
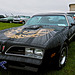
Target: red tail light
point(3, 48)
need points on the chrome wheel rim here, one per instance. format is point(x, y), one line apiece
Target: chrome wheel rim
point(63, 57)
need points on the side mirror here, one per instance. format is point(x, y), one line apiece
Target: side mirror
point(73, 24)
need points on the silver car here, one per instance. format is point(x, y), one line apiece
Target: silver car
point(21, 19)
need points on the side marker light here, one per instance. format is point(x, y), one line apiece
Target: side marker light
point(52, 55)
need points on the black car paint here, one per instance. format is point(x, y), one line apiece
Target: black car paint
point(51, 42)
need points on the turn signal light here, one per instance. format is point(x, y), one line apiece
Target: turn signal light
point(52, 55)
point(20, 21)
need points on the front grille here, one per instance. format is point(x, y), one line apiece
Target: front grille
point(16, 50)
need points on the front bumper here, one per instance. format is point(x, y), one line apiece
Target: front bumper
point(21, 62)
point(17, 21)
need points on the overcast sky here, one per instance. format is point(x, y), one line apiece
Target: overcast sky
point(33, 6)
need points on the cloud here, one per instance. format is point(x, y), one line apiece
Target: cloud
point(33, 6)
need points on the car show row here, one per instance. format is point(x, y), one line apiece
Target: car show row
point(14, 19)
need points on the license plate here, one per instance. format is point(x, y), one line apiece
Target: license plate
point(2, 64)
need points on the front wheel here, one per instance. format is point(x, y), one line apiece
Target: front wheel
point(62, 58)
point(10, 21)
point(23, 22)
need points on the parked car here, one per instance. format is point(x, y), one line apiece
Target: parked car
point(41, 41)
point(7, 19)
point(2, 16)
point(72, 13)
point(21, 19)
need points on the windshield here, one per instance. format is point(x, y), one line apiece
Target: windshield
point(16, 17)
point(24, 16)
point(10, 17)
point(56, 20)
point(27, 16)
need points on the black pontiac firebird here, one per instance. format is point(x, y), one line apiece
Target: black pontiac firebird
point(41, 41)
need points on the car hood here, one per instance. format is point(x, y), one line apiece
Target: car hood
point(19, 18)
point(16, 18)
point(33, 36)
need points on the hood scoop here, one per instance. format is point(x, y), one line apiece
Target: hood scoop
point(33, 27)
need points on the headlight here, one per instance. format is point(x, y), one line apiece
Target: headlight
point(38, 52)
point(28, 51)
point(34, 53)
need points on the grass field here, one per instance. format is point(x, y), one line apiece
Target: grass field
point(69, 69)
point(8, 25)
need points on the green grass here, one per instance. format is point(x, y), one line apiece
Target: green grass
point(8, 25)
point(69, 69)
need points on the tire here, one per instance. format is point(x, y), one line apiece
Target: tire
point(62, 57)
point(10, 21)
point(23, 22)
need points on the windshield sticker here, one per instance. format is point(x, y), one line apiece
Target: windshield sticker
point(26, 33)
point(61, 24)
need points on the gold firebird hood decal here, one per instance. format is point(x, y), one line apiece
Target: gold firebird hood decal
point(22, 33)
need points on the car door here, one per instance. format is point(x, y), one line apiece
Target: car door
point(71, 27)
